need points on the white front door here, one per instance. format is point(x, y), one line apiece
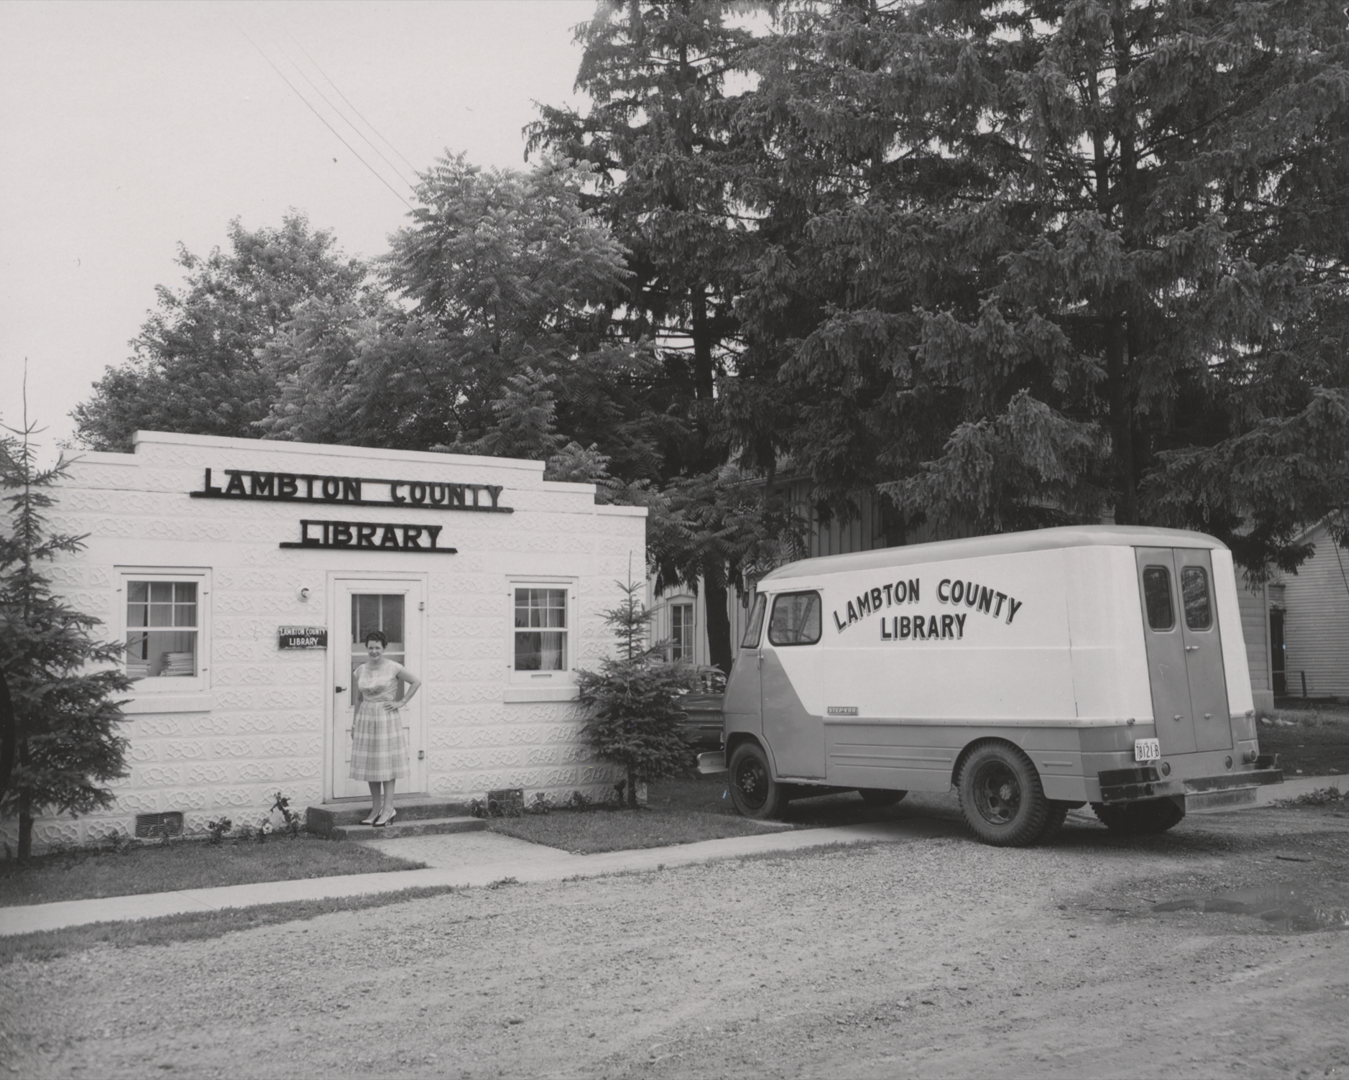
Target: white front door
point(359, 605)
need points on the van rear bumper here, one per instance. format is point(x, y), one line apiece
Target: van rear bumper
point(1200, 792)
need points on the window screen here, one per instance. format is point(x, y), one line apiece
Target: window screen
point(1157, 597)
point(796, 619)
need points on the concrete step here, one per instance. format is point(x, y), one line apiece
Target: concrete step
point(410, 827)
point(326, 818)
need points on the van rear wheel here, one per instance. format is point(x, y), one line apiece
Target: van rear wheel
point(753, 790)
point(1001, 797)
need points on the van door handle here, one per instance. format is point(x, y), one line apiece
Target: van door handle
point(1191, 648)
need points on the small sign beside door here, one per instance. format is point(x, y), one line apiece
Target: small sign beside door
point(302, 637)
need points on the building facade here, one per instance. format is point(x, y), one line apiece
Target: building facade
point(243, 575)
point(1309, 622)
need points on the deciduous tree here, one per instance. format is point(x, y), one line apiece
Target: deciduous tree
point(196, 365)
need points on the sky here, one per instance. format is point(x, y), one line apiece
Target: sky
point(127, 128)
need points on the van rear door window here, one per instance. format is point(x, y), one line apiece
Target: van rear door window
point(796, 619)
point(755, 624)
point(1194, 593)
point(1157, 596)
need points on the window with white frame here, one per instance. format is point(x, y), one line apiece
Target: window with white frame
point(164, 628)
point(541, 632)
point(681, 630)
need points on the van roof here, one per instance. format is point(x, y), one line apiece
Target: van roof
point(1001, 544)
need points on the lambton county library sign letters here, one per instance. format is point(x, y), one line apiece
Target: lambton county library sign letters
point(345, 491)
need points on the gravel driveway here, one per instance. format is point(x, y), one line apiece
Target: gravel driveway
point(935, 957)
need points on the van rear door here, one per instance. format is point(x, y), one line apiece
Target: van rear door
point(1184, 649)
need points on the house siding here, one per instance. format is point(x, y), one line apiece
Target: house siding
point(1316, 620)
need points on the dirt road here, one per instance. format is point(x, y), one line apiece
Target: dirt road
point(936, 957)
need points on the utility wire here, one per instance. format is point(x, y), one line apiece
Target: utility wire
point(357, 111)
point(329, 126)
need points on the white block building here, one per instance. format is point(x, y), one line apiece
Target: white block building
point(243, 574)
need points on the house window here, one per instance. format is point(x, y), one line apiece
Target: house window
point(165, 617)
point(541, 636)
point(681, 631)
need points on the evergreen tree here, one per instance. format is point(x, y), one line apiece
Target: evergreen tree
point(1032, 263)
point(661, 78)
point(64, 734)
point(633, 701)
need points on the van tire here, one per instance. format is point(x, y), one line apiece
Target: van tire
point(1149, 818)
point(1001, 797)
point(753, 790)
point(880, 796)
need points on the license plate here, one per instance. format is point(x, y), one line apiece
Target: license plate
point(1147, 749)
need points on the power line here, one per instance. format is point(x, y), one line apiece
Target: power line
point(357, 111)
point(329, 126)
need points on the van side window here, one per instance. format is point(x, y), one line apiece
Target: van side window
point(1194, 594)
point(1157, 597)
point(755, 624)
point(796, 619)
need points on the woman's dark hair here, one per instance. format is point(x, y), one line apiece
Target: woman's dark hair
point(375, 635)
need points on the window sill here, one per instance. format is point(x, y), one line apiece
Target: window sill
point(199, 701)
point(540, 693)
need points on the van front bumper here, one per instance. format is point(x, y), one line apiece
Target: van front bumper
point(1200, 793)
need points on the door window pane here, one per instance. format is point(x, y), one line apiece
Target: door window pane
point(377, 611)
point(1194, 593)
point(1157, 597)
point(796, 619)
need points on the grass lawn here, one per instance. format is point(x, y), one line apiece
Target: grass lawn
point(1310, 742)
point(680, 811)
point(193, 926)
point(183, 864)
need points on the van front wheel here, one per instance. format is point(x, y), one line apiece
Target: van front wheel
point(1001, 797)
point(753, 790)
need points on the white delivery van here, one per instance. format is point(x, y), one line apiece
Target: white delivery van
point(1035, 672)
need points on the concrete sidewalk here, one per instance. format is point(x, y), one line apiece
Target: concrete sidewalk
point(469, 860)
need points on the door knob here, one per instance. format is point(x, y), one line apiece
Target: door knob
point(339, 689)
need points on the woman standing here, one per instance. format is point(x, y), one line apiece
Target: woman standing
point(379, 752)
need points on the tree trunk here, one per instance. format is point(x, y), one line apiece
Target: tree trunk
point(1121, 422)
point(718, 625)
point(25, 832)
point(630, 789)
point(9, 735)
